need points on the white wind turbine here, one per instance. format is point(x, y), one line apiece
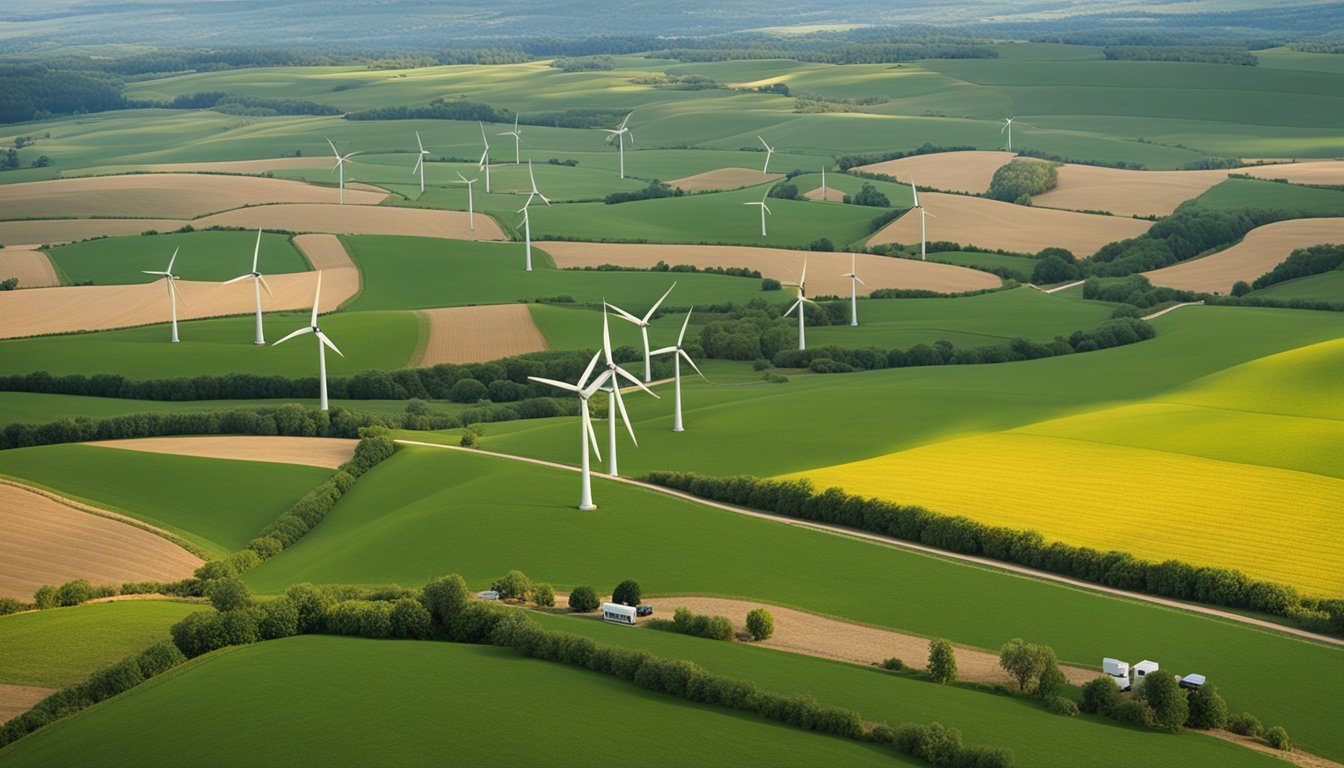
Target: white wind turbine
point(517, 141)
point(322, 343)
point(798, 305)
point(769, 152)
point(618, 135)
point(923, 245)
point(527, 219)
point(341, 160)
point(471, 203)
point(613, 379)
point(764, 208)
point(484, 163)
point(678, 353)
point(1008, 126)
point(823, 183)
point(259, 283)
point(173, 290)
point(643, 323)
point(588, 435)
point(420, 162)
point(854, 282)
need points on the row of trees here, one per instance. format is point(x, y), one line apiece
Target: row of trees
point(1186, 233)
point(1303, 262)
point(687, 622)
point(1171, 578)
point(655, 190)
point(1199, 54)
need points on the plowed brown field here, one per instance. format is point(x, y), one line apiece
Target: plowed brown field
point(17, 699)
point(357, 220)
point(724, 178)
point(32, 268)
point(1125, 192)
point(951, 171)
point(480, 334)
point(1307, 172)
point(227, 166)
point(1260, 251)
point(55, 231)
point(326, 452)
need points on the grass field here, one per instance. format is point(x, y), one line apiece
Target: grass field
point(213, 256)
point(37, 408)
point(411, 703)
point(62, 646)
point(370, 340)
point(1258, 193)
point(483, 516)
point(1328, 286)
point(217, 505)
point(1019, 266)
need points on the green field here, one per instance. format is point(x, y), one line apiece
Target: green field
point(484, 516)
point(411, 703)
point(370, 340)
point(1327, 286)
point(208, 256)
point(1019, 266)
point(37, 408)
point(1258, 193)
point(62, 646)
point(216, 504)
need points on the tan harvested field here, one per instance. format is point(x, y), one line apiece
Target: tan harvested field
point(43, 541)
point(833, 195)
point(951, 171)
point(1308, 172)
point(1260, 251)
point(17, 699)
point(168, 195)
point(1125, 192)
point(824, 269)
point(992, 224)
point(102, 307)
point(227, 166)
point(54, 231)
point(724, 178)
point(31, 267)
point(358, 220)
point(480, 334)
point(813, 635)
point(325, 452)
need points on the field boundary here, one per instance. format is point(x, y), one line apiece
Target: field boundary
point(1020, 570)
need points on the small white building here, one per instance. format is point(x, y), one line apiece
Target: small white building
point(1143, 669)
point(619, 614)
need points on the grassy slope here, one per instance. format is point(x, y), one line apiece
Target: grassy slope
point(1257, 193)
point(35, 408)
point(62, 646)
point(482, 516)
point(411, 703)
point(217, 504)
point(210, 256)
point(1328, 286)
point(1020, 265)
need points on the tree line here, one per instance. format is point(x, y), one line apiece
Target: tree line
point(1186, 233)
point(1199, 54)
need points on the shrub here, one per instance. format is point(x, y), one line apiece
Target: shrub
point(696, 624)
point(1061, 705)
point(894, 664)
point(278, 618)
point(942, 662)
point(467, 391)
point(45, 597)
point(1100, 696)
point(9, 605)
point(583, 599)
point(770, 284)
point(444, 598)
point(1241, 288)
point(934, 743)
point(760, 623)
point(1025, 662)
point(1022, 177)
point(543, 595)
point(410, 619)
point(1053, 269)
point(228, 594)
point(470, 438)
point(1161, 692)
point(74, 592)
point(514, 586)
point(1245, 724)
point(868, 195)
point(1133, 712)
point(1207, 708)
point(626, 593)
point(159, 658)
point(1277, 738)
point(985, 757)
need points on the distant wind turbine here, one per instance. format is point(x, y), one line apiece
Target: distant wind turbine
point(854, 282)
point(259, 282)
point(823, 183)
point(527, 219)
point(484, 163)
point(588, 435)
point(1008, 126)
point(613, 379)
point(517, 140)
point(769, 152)
point(678, 353)
point(322, 343)
point(643, 323)
point(173, 290)
point(471, 204)
point(798, 305)
point(764, 208)
point(420, 162)
point(618, 135)
point(922, 213)
point(341, 160)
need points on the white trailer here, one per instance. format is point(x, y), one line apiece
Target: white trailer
point(1118, 671)
point(1143, 669)
point(619, 614)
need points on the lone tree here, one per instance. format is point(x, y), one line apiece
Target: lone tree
point(626, 593)
point(942, 662)
point(543, 595)
point(582, 600)
point(1207, 708)
point(1100, 696)
point(1164, 695)
point(228, 594)
point(514, 586)
point(760, 624)
point(1027, 662)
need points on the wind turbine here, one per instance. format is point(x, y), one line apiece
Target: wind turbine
point(471, 204)
point(420, 162)
point(854, 282)
point(260, 282)
point(484, 163)
point(173, 290)
point(798, 305)
point(823, 183)
point(678, 353)
point(643, 323)
point(613, 379)
point(1008, 126)
point(517, 138)
point(619, 135)
point(322, 343)
point(922, 213)
point(527, 220)
point(588, 435)
point(341, 160)
point(764, 208)
point(769, 151)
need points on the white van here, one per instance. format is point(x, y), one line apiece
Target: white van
point(619, 614)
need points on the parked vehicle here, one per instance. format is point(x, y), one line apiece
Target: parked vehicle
point(644, 610)
point(1118, 671)
point(1192, 682)
point(619, 614)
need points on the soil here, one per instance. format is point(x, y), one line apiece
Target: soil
point(1261, 250)
point(327, 452)
point(724, 178)
point(480, 334)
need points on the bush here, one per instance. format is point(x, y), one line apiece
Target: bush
point(1241, 288)
point(583, 599)
point(1053, 269)
point(9, 605)
point(74, 592)
point(228, 594)
point(868, 195)
point(942, 662)
point(1100, 696)
point(1061, 705)
point(1245, 724)
point(1161, 692)
point(444, 598)
point(894, 664)
point(514, 586)
point(277, 618)
point(626, 593)
point(1207, 708)
point(45, 597)
point(1026, 662)
point(1022, 177)
point(410, 619)
point(467, 391)
point(1133, 712)
point(159, 658)
point(770, 284)
point(1277, 738)
point(935, 743)
point(543, 595)
point(760, 624)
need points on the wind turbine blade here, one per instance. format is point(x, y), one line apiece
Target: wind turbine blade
point(169, 271)
point(264, 284)
point(418, 162)
point(809, 301)
point(557, 384)
point(463, 178)
point(663, 351)
point(588, 430)
point(625, 315)
point(583, 380)
point(333, 149)
point(803, 279)
point(236, 279)
point(300, 332)
point(1005, 127)
point(316, 296)
point(631, 134)
point(172, 286)
point(767, 146)
point(914, 192)
point(148, 272)
point(323, 338)
point(480, 164)
point(606, 334)
point(544, 199)
point(626, 121)
point(688, 359)
point(625, 417)
point(684, 323)
point(789, 311)
point(860, 279)
point(654, 308)
point(633, 380)
point(256, 251)
point(767, 209)
point(417, 141)
point(596, 384)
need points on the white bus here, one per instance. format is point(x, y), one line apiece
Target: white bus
point(618, 614)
